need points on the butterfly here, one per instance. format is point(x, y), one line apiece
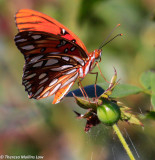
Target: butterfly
point(54, 56)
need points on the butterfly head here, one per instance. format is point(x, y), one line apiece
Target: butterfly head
point(97, 54)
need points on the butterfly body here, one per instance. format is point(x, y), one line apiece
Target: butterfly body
point(54, 56)
point(89, 65)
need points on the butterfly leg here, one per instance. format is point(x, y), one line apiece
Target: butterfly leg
point(96, 73)
point(82, 89)
point(101, 72)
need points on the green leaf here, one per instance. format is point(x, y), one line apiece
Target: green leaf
point(85, 104)
point(153, 100)
point(153, 82)
point(127, 116)
point(150, 115)
point(123, 90)
point(133, 119)
point(145, 79)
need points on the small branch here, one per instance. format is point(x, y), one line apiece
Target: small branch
point(125, 145)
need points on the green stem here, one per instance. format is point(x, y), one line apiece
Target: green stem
point(121, 138)
point(146, 91)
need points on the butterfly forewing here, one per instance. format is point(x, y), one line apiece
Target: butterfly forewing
point(30, 20)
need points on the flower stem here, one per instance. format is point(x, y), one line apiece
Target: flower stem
point(125, 145)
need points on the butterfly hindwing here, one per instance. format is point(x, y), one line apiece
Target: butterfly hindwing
point(48, 69)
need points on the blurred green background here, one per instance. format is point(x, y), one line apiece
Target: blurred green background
point(31, 127)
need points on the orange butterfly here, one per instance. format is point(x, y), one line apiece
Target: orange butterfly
point(54, 56)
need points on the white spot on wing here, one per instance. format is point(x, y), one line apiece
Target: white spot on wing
point(63, 42)
point(53, 82)
point(39, 91)
point(87, 68)
point(54, 52)
point(68, 88)
point(69, 72)
point(30, 76)
point(44, 80)
point(55, 89)
point(26, 83)
point(61, 68)
point(66, 58)
point(63, 31)
point(21, 40)
point(29, 89)
point(66, 50)
point(17, 36)
point(81, 72)
point(26, 72)
point(64, 93)
point(46, 94)
point(51, 62)
point(79, 60)
point(72, 79)
point(28, 47)
point(35, 59)
point(36, 36)
point(42, 75)
point(28, 86)
point(73, 48)
point(38, 64)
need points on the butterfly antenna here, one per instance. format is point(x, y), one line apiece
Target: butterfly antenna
point(111, 40)
point(103, 43)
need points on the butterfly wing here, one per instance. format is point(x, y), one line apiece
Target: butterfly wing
point(48, 69)
point(30, 20)
point(53, 55)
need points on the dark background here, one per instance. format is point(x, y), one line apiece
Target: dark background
point(30, 127)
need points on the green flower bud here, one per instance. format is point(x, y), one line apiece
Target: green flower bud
point(108, 113)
